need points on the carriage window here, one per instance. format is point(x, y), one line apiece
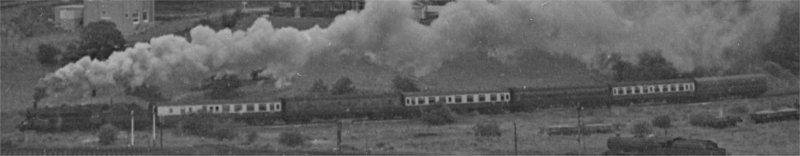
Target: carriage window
point(458, 99)
point(614, 91)
point(431, 100)
point(408, 101)
point(237, 108)
point(262, 107)
point(482, 97)
point(469, 98)
point(170, 110)
point(507, 97)
point(278, 107)
point(420, 100)
point(492, 97)
point(651, 89)
point(689, 86)
point(271, 107)
point(680, 88)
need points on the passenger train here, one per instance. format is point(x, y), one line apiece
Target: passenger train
point(303, 109)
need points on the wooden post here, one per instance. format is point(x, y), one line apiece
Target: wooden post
point(339, 136)
point(154, 111)
point(132, 137)
point(515, 138)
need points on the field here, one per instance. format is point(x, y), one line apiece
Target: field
point(412, 136)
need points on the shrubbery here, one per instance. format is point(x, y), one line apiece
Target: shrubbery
point(487, 129)
point(47, 54)
point(107, 134)
point(293, 139)
point(662, 122)
point(404, 84)
point(642, 129)
point(343, 86)
point(438, 114)
point(207, 125)
point(701, 119)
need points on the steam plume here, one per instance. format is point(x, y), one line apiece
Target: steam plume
point(689, 34)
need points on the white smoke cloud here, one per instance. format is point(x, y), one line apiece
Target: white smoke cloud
point(689, 34)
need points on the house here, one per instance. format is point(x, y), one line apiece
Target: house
point(130, 16)
point(69, 17)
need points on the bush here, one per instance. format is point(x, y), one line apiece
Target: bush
point(293, 139)
point(642, 129)
point(651, 66)
point(251, 138)
point(343, 86)
point(438, 114)
point(701, 119)
point(487, 129)
point(404, 84)
point(740, 110)
point(8, 144)
point(47, 54)
point(107, 134)
point(222, 86)
point(207, 125)
point(318, 87)
point(662, 122)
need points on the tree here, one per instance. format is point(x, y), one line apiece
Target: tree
point(642, 129)
point(107, 134)
point(343, 86)
point(98, 40)
point(147, 92)
point(783, 49)
point(404, 84)
point(662, 122)
point(318, 87)
point(47, 54)
point(651, 66)
point(223, 86)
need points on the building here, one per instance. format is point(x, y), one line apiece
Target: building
point(130, 16)
point(69, 17)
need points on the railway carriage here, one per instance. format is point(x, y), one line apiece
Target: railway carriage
point(739, 85)
point(375, 106)
point(661, 90)
point(587, 96)
point(490, 101)
point(251, 111)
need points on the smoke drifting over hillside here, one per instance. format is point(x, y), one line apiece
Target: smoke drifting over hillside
point(688, 34)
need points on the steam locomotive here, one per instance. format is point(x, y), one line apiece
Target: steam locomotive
point(303, 109)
